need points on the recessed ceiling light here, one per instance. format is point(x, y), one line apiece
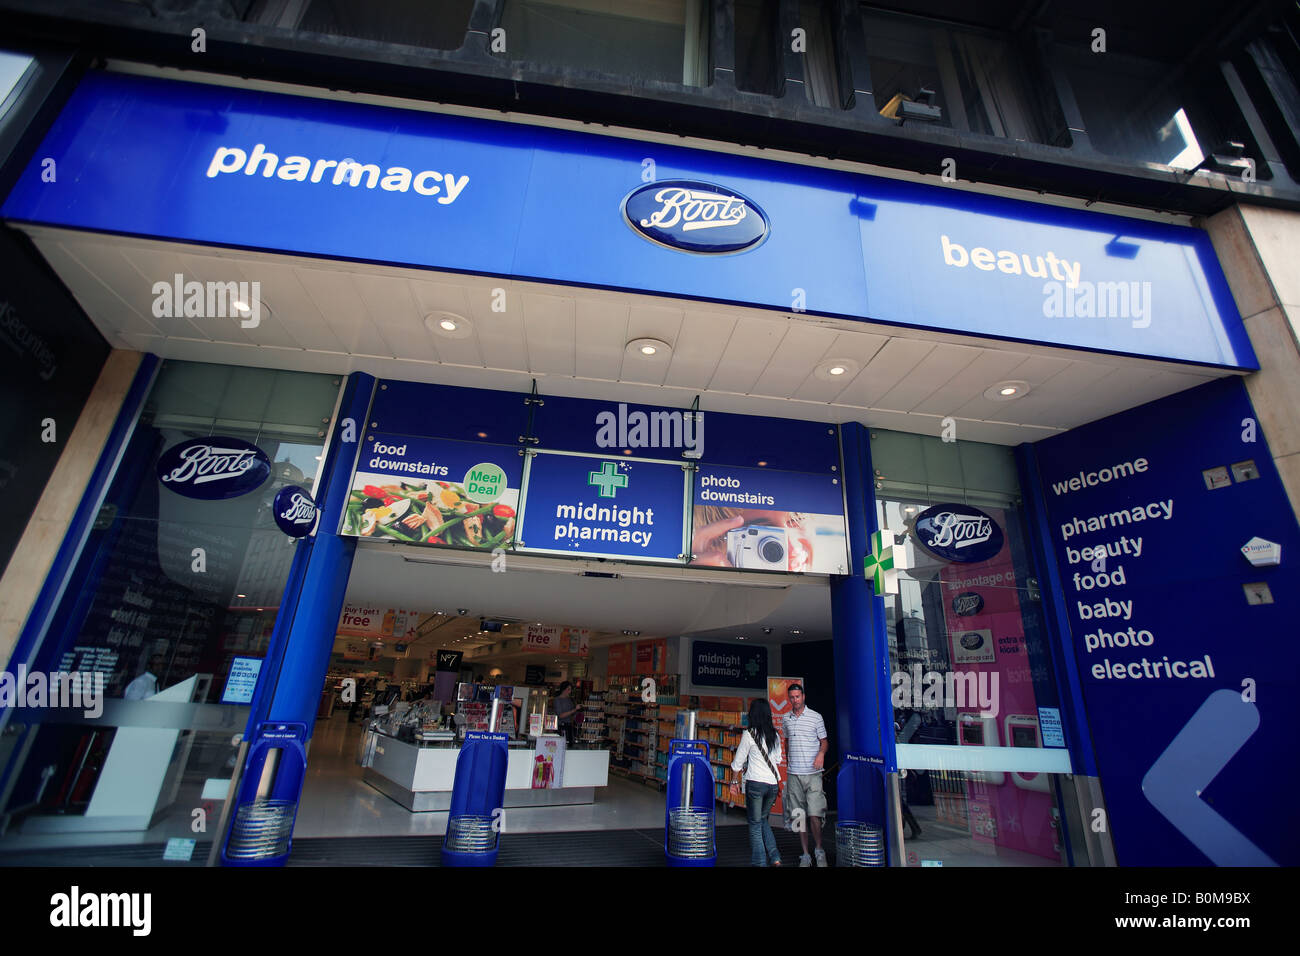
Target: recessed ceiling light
point(795, 631)
point(449, 325)
point(836, 370)
point(762, 464)
point(1006, 391)
point(655, 349)
point(241, 595)
point(481, 434)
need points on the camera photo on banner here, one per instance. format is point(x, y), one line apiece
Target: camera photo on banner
point(739, 521)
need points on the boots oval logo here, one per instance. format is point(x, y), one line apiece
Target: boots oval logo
point(700, 218)
point(295, 511)
point(958, 533)
point(214, 468)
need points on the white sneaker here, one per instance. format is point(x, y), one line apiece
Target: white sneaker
point(805, 860)
point(821, 857)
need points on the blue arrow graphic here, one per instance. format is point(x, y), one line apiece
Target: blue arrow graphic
point(1188, 766)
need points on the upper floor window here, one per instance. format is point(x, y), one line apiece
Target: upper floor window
point(973, 77)
point(663, 40)
point(1150, 112)
point(434, 26)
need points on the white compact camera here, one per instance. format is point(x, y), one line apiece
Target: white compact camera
point(760, 547)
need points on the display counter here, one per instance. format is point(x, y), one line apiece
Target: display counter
point(419, 775)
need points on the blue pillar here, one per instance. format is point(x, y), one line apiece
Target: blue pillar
point(865, 719)
point(288, 692)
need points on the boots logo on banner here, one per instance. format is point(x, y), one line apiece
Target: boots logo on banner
point(958, 533)
point(695, 217)
point(214, 468)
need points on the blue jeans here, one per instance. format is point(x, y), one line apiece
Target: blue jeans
point(759, 798)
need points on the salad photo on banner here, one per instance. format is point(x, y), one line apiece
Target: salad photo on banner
point(435, 492)
point(760, 520)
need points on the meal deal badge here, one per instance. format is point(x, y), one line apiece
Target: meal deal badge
point(604, 507)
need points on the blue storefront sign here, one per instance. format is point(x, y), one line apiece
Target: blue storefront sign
point(728, 665)
point(1183, 648)
point(213, 468)
point(185, 161)
point(613, 507)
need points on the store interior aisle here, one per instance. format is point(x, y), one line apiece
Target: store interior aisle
point(337, 802)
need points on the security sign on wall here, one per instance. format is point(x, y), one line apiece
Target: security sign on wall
point(960, 533)
point(295, 511)
point(213, 468)
point(695, 217)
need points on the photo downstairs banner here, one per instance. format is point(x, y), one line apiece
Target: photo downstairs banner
point(762, 520)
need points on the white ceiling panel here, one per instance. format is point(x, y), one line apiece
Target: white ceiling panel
point(699, 348)
point(752, 345)
point(971, 381)
point(938, 367)
point(602, 328)
point(339, 317)
point(887, 368)
point(803, 347)
point(550, 327)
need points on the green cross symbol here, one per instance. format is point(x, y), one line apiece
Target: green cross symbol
point(751, 667)
point(880, 560)
point(607, 479)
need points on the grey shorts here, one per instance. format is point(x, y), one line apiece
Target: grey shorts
point(804, 792)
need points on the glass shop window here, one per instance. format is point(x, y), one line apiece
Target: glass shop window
point(974, 78)
point(757, 47)
point(664, 40)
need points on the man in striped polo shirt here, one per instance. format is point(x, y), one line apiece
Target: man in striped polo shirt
point(805, 749)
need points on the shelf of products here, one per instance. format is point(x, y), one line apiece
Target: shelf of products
point(593, 729)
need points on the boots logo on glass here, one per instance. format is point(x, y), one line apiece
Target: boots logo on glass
point(295, 511)
point(695, 217)
point(967, 603)
point(958, 533)
point(212, 469)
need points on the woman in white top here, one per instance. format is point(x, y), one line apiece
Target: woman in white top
point(758, 756)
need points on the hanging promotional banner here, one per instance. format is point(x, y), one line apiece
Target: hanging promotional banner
point(604, 507)
point(397, 623)
point(651, 656)
point(434, 492)
point(554, 639)
point(622, 657)
point(761, 520)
